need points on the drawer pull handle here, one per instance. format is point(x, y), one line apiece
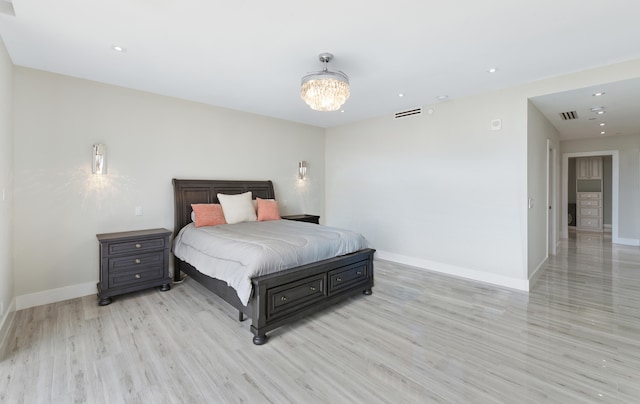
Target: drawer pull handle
point(338, 279)
point(359, 273)
point(283, 298)
point(312, 288)
point(137, 276)
point(137, 260)
point(138, 245)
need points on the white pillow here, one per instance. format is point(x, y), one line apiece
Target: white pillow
point(238, 208)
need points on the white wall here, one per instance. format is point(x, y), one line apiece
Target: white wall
point(441, 191)
point(628, 148)
point(539, 130)
point(60, 205)
point(444, 192)
point(6, 205)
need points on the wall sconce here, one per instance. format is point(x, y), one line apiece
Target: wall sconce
point(99, 166)
point(302, 170)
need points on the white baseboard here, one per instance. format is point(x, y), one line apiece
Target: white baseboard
point(626, 241)
point(6, 321)
point(512, 283)
point(55, 295)
point(536, 274)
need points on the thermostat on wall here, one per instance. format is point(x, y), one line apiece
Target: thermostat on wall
point(496, 124)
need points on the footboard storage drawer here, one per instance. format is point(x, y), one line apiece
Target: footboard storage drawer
point(295, 295)
point(347, 277)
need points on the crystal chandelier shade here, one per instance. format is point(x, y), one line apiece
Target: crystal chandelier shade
point(325, 90)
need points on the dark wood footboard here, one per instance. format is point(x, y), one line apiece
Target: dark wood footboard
point(287, 296)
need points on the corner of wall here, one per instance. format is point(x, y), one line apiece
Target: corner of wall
point(7, 290)
point(6, 322)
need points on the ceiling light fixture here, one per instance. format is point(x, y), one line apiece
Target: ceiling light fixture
point(325, 90)
point(597, 109)
point(492, 70)
point(442, 97)
point(118, 48)
point(598, 94)
point(603, 132)
point(602, 124)
point(401, 95)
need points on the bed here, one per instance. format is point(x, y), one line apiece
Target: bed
point(282, 297)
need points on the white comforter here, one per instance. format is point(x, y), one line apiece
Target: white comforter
point(235, 253)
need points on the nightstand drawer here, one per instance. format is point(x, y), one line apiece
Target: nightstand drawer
point(128, 278)
point(123, 248)
point(136, 262)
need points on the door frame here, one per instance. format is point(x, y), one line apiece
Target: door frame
point(552, 169)
point(615, 191)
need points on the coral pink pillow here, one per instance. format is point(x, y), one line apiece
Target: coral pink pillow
point(208, 214)
point(268, 210)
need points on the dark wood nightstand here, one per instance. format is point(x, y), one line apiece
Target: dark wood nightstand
point(133, 260)
point(303, 218)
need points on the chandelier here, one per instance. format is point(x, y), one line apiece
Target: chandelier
point(325, 90)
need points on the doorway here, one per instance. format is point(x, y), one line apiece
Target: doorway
point(614, 190)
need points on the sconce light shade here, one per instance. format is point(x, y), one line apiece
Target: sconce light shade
point(302, 170)
point(99, 165)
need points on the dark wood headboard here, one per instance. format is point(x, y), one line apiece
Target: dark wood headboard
point(186, 192)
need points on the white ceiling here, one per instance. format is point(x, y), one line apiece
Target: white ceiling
point(620, 102)
point(250, 55)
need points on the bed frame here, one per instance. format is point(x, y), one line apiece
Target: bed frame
point(282, 297)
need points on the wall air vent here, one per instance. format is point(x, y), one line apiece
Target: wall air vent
point(568, 116)
point(409, 112)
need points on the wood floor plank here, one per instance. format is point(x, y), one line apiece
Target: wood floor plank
point(421, 337)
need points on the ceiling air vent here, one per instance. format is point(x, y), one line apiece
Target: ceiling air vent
point(568, 116)
point(409, 112)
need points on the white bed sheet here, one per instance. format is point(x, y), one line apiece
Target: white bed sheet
point(235, 253)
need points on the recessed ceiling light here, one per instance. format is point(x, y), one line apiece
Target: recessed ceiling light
point(492, 69)
point(603, 132)
point(600, 112)
point(442, 97)
point(401, 95)
point(118, 48)
point(602, 124)
point(342, 110)
point(596, 109)
point(598, 94)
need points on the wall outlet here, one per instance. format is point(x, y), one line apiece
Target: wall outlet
point(138, 210)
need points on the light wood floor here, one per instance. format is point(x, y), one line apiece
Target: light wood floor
point(421, 337)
